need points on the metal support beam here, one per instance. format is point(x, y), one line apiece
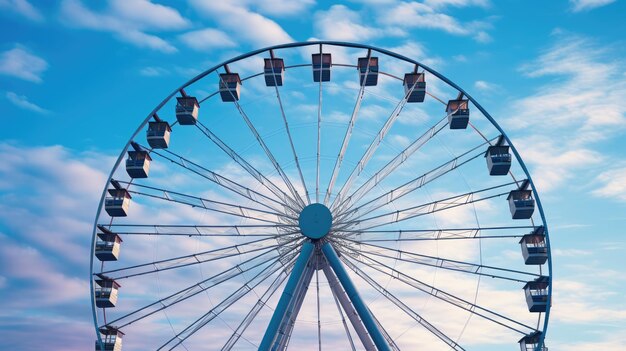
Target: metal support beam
point(286, 328)
point(353, 316)
point(366, 317)
point(288, 295)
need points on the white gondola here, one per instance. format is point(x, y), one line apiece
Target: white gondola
point(534, 247)
point(498, 160)
point(158, 134)
point(187, 110)
point(116, 205)
point(368, 71)
point(108, 245)
point(415, 83)
point(106, 292)
point(274, 72)
point(321, 67)
point(111, 339)
point(458, 113)
point(536, 292)
point(531, 341)
point(138, 162)
point(230, 87)
point(521, 202)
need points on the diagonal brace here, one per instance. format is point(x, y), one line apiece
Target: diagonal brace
point(359, 305)
point(286, 299)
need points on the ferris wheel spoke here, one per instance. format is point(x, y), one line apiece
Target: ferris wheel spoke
point(364, 236)
point(319, 135)
point(196, 258)
point(181, 295)
point(245, 323)
point(398, 160)
point(267, 151)
point(402, 306)
point(225, 182)
point(422, 209)
point(441, 262)
point(444, 296)
point(348, 135)
point(277, 191)
point(223, 305)
point(358, 169)
point(212, 205)
point(293, 148)
point(413, 184)
point(189, 230)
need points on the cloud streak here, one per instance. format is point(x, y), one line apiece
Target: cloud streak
point(20, 63)
point(588, 5)
point(128, 21)
point(24, 8)
point(258, 29)
point(22, 102)
point(583, 99)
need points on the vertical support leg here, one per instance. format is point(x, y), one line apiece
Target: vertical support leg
point(285, 330)
point(353, 294)
point(287, 296)
point(349, 309)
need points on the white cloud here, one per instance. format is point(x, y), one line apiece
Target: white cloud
point(153, 71)
point(24, 8)
point(419, 15)
point(578, 303)
point(613, 184)
point(586, 5)
point(19, 63)
point(460, 58)
point(282, 8)
point(128, 20)
point(243, 23)
point(21, 101)
point(485, 86)
point(341, 23)
point(429, 15)
point(207, 39)
point(456, 3)
point(582, 104)
point(145, 14)
point(38, 177)
point(483, 37)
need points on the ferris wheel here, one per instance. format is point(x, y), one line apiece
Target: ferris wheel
point(320, 195)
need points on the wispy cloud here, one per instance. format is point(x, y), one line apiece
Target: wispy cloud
point(456, 3)
point(153, 71)
point(22, 102)
point(613, 184)
point(586, 5)
point(281, 8)
point(431, 15)
point(20, 63)
point(341, 23)
point(582, 103)
point(243, 23)
point(24, 8)
point(207, 39)
point(128, 20)
point(485, 86)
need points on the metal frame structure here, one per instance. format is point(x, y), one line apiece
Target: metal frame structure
point(279, 248)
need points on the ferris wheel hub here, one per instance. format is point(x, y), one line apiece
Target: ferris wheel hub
point(315, 221)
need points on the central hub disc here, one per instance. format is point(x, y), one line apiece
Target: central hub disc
point(315, 221)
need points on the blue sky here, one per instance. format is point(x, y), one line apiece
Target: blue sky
point(77, 77)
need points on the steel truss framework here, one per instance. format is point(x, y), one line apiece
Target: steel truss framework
point(275, 253)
